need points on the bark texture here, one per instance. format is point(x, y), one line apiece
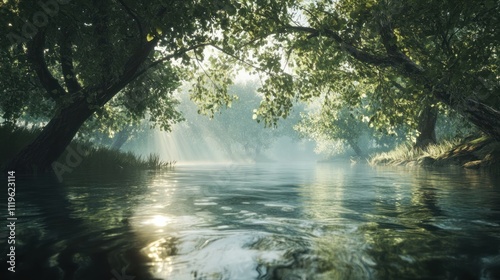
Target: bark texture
point(427, 127)
point(53, 140)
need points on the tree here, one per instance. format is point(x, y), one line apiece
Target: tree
point(421, 53)
point(333, 125)
point(234, 128)
point(77, 60)
point(443, 51)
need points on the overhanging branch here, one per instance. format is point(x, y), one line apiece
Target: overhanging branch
point(240, 59)
point(129, 73)
point(401, 60)
point(135, 17)
point(35, 56)
point(168, 57)
point(356, 53)
point(66, 56)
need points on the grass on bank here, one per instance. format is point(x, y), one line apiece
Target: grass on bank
point(13, 139)
point(406, 153)
point(100, 158)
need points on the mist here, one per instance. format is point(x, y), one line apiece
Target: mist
point(231, 136)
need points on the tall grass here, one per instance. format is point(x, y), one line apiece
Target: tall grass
point(406, 153)
point(99, 158)
point(13, 139)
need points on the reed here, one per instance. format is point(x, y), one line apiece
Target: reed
point(13, 139)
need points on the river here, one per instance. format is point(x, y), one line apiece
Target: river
point(262, 221)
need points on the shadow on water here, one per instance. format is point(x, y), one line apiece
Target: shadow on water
point(71, 230)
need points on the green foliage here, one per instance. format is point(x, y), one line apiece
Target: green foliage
point(209, 89)
point(336, 125)
point(390, 59)
point(332, 124)
point(90, 48)
point(100, 159)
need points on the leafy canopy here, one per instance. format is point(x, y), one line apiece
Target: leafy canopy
point(123, 58)
point(394, 58)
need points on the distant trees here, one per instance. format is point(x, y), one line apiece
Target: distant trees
point(235, 128)
point(334, 125)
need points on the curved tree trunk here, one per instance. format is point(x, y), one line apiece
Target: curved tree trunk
point(427, 127)
point(484, 117)
point(53, 140)
point(58, 133)
point(476, 111)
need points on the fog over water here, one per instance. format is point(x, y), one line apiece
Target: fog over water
point(181, 146)
point(232, 135)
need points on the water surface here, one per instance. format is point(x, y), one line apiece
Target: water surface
point(264, 221)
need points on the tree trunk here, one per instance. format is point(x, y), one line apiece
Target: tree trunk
point(53, 140)
point(484, 117)
point(427, 127)
point(58, 133)
point(355, 147)
point(480, 114)
point(477, 112)
point(120, 139)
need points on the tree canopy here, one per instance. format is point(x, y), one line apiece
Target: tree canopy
point(404, 56)
point(71, 61)
point(113, 61)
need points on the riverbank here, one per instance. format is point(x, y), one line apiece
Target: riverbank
point(479, 153)
point(82, 156)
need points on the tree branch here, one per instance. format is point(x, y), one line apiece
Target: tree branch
point(356, 53)
point(134, 16)
point(129, 72)
point(35, 56)
point(168, 57)
point(66, 56)
point(240, 59)
point(389, 41)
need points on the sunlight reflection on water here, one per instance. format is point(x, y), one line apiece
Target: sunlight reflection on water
point(325, 222)
point(267, 221)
